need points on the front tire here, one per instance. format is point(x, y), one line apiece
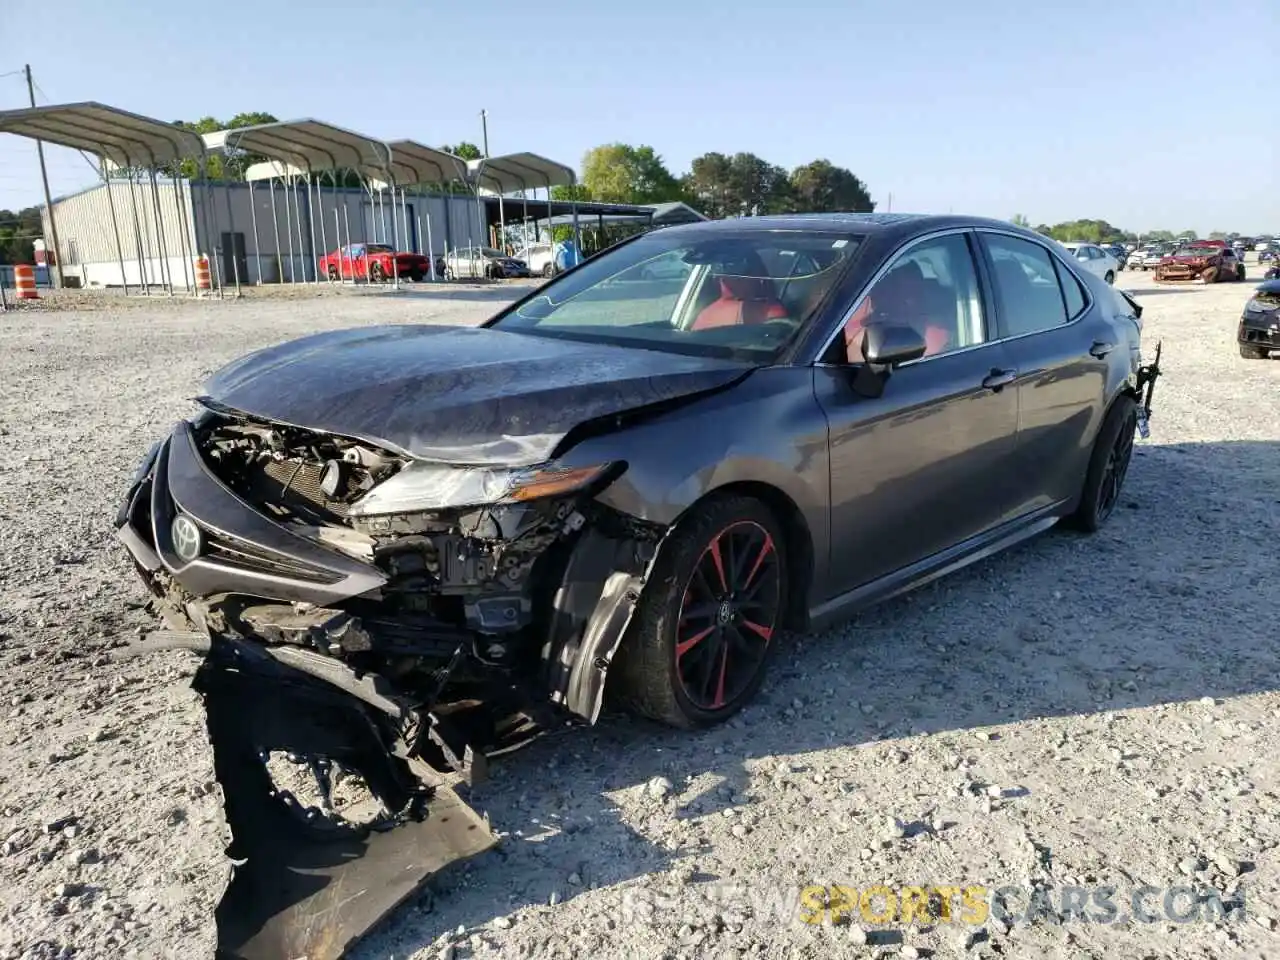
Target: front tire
point(1110, 277)
point(376, 274)
point(707, 623)
point(1108, 466)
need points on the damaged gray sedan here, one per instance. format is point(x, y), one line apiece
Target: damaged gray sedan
point(403, 550)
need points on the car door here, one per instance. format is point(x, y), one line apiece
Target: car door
point(924, 465)
point(1059, 344)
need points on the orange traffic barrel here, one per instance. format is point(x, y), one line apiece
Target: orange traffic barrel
point(203, 281)
point(24, 278)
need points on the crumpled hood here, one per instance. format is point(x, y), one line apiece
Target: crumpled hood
point(455, 394)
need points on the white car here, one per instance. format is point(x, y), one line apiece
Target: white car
point(1094, 259)
point(541, 258)
point(1136, 258)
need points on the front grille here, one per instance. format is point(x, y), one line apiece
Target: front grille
point(248, 556)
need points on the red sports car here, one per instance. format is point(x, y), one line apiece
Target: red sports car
point(376, 261)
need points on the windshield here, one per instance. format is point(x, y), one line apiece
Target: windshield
point(742, 295)
point(378, 248)
point(1199, 251)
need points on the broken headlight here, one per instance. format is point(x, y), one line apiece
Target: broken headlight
point(435, 486)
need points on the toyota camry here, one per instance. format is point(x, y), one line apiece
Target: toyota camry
point(406, 548)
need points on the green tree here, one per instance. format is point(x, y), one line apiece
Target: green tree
point(758, 187)
point(1020, 220)
point(17, 231)
point(621, 173)
point(577, 192)
point(709, 186)
point(822, 187)
point(465, 150)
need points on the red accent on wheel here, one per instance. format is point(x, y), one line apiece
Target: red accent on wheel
point(728, 614)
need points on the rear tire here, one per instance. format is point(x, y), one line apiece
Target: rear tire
point(706, 625)
point(333, 273)
point(1254, 353)
point(375, 273)
point(1240, 273)
point(1108, 467)
point(549, 270)
point(1110, 277)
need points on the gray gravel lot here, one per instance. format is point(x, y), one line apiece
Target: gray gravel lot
point(1079, 711)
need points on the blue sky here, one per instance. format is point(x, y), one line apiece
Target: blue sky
point(1150, 115)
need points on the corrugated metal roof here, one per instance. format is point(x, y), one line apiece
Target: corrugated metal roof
point(126, 139)
point(310, 144)
point(520, 171)
point(413, 162)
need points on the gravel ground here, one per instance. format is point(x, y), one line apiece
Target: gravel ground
point(1078, 711)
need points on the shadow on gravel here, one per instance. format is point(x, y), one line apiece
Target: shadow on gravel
point(1171, 602)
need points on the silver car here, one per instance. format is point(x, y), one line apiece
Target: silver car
point(482, 263)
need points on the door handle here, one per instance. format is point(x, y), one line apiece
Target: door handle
point(1101, 348)
point(998, 379)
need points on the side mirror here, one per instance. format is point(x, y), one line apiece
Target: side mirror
point(887, 345)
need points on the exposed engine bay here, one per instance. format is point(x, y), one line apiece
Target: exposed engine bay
point(357, 654)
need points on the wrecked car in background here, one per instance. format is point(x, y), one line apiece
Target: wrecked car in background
point(404, 550)
point(1206, 260)
point(1259, 332)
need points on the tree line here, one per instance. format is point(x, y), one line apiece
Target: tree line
point(1100, 231)
point(716, 184)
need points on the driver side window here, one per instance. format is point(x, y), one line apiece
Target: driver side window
point(932, 288)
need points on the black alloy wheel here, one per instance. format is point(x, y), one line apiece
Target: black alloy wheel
point(376, 274)
point(1108, 466)
point(709, 617)
point(1113, 474)
point(728, 615)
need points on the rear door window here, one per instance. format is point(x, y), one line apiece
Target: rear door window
point(1029, 296)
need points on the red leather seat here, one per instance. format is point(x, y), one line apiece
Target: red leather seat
point(903, 296)
point(742, 300)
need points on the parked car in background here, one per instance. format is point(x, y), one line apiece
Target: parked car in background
point(483, 263)
point(1259, 332)
point(540, 257)
point(1096, 260)
point(1154, 255)
point(1135, 259)
point(1206, 260)
point(1267, 252)
point(376, 262)
point(1118, 251)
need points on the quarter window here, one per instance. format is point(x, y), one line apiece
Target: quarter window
point(1072, 295)
point(1028, 294)
point(933, 288)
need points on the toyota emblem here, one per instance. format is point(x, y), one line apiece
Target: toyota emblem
point(188, 541)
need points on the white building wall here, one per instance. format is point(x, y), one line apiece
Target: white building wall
point(282, 230)
point(148, 240)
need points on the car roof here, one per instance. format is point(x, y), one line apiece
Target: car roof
point(886, 225)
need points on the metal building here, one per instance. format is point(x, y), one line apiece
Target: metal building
point(221, 220)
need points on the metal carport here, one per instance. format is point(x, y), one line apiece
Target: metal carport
point(314, 147)
point(128, 142)
point(522, 171)
point(414, 163)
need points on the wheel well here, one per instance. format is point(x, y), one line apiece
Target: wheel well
point(799, 543)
